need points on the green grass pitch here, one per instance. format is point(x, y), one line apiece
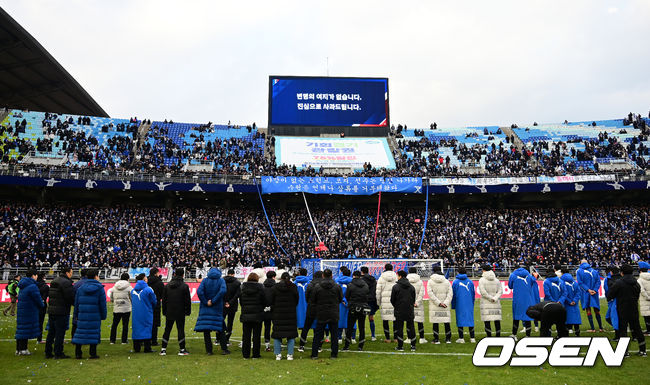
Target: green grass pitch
point(378, 364)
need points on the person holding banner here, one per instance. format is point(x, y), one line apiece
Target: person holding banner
point(385, 284)
point(301, 281)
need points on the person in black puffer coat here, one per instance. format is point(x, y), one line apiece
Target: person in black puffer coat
point(61, 299)
point(268, 288)
point(372, 298)
point(230, 301)
point(327, 297)
point(45, 291)
point(357, 297)
point(403, 300)
point(157, 285)
point(284, 299)
point(253, 301)
point(626, 291)
point(311, 309)
point(176, 305)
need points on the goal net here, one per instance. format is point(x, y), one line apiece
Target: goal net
point(424, 267)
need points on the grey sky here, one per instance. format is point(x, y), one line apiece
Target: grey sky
point(456, 62)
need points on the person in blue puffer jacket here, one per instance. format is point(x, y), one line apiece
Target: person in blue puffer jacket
point(463, 302)
point(90, 311)
point(343, 280)
point(211, 292)
point(571, 299)
point(554, 289)
point(29, 303)
point(301, 282)
point(522, 284)
point(143, 301)
point(588, 279)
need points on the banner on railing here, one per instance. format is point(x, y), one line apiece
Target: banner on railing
point(341, 185)
point(124, 185)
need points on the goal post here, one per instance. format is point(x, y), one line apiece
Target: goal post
point(375, 267)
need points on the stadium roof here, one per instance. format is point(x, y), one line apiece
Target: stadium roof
point(30, 78)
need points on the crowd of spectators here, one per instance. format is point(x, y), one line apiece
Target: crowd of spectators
point(144, 237)
point(157, 152)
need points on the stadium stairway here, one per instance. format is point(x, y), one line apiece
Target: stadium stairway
point(143, 130)
point(510, 133)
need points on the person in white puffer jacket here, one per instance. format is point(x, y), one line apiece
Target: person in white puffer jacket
point(415, 280)
point(440, 296)
point(120, 295)
point(489, 287)
point(385, 285)
point(644, 296)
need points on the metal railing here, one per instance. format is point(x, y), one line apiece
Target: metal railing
point(36, 171)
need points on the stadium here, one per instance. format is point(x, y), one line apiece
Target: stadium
point(336, 235)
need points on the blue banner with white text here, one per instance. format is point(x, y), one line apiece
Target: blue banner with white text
point(341, 185)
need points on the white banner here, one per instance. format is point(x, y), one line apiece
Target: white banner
point(333, 152)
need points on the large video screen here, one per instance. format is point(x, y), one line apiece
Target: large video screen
point(328, 102)
point(333, 152)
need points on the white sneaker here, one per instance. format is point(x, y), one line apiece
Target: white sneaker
point(407, 341)
point(472, 340)
point(278, 357)
point(570, 331)
point(447, 342)
point(423, 341)
point(435, 342)
point(340, 341)
point(25, 353)
point(289, 357)
point(536, 329)
point(373, 339)
point(460, 341)
point(354, 341)
point(514, 337)
point(163, 352)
